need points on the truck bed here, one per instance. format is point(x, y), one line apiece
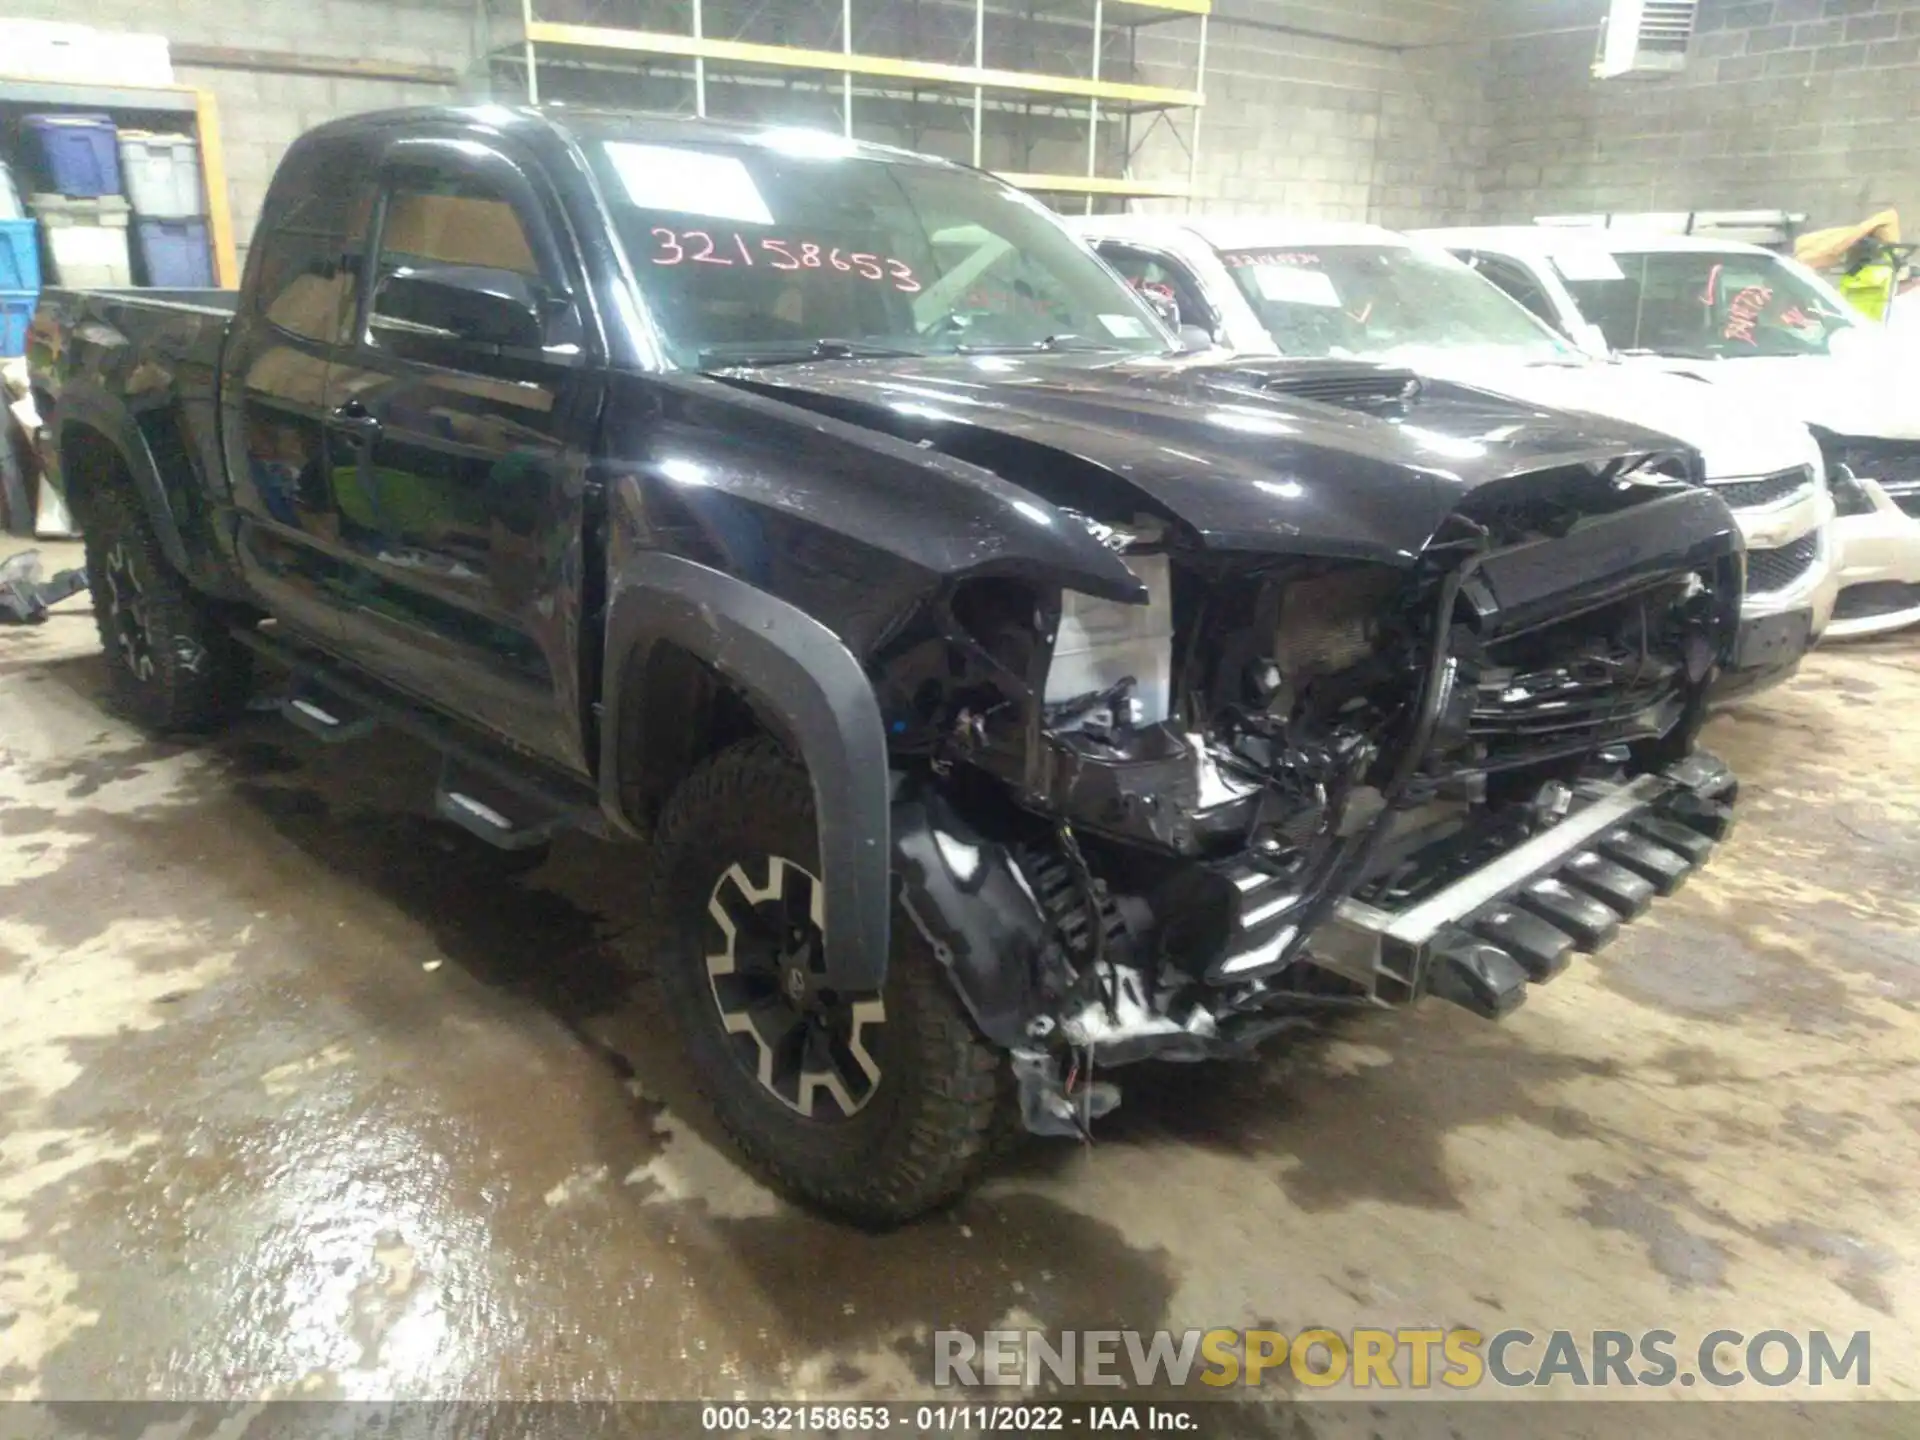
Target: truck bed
point(107, 359)
point(107, 344)
point(142, 295)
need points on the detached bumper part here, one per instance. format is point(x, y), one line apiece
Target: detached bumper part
point(1516, 920)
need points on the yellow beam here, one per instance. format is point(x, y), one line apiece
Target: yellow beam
point(213, 173)
point(649, 42)
point(1097, 185)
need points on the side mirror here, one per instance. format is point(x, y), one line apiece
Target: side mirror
point(1196, 337)
point(476, 306)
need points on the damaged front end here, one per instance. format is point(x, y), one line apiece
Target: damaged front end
point(1287, 785)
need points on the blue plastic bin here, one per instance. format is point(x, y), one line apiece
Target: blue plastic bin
point(16, 309)
point(80, 153)
point(176, 254)
point(19, 255)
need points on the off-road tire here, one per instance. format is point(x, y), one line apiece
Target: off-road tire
point(944, 1092)
point(191, 674)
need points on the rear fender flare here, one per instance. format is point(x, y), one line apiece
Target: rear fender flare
point(85, 408)
point(797, 672)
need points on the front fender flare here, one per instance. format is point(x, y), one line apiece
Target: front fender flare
point(796, 671)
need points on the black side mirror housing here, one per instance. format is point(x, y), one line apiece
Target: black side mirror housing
point(500, 309)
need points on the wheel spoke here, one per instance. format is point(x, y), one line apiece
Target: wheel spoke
point(766, 1029)
point(765, 949)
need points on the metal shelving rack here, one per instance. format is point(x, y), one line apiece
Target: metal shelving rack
point(179, 103)
point(867, 75)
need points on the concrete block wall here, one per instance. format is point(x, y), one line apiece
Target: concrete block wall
point(1365, 111)
point(262, 111)
point(1434, 134)
point(1808, 105)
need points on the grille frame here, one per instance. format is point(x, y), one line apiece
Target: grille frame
point(1894, 463)
point(1782, 566)
point(1595, 685)
point(1755, 492)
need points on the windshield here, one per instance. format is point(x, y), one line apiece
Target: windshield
point(753, 251)
point(1710, 303)
point(1369, 302)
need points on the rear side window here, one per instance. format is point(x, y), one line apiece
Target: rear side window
point(303, 277)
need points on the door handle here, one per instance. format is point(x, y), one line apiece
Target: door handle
point(356, 419)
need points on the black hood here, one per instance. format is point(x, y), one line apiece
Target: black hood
point(1313, 457)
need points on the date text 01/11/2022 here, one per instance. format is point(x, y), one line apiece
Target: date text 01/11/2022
point(678, 247)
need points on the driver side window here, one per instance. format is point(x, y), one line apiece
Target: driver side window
point(1152, 273)
point(453, 258)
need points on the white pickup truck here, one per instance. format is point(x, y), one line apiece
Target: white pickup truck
point(1770, 333)
point(1267, 285)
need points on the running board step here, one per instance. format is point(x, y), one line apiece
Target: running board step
point(506, 819)
point(496, 794)
point(330, 718)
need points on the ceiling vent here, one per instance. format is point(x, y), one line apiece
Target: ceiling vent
point(1644, 37)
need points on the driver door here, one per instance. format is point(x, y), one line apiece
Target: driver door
point(461, 414)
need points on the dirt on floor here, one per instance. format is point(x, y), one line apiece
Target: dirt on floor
point(302, 1095)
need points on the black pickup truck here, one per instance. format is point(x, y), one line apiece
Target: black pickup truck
point(1007, 693)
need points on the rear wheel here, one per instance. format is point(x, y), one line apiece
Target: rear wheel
point(173, 663)
point(875, 1107)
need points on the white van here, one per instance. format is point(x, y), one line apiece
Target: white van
point(1770, 333)
point(1311, 288)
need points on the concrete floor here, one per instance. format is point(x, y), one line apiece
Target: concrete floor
point(299, 1097)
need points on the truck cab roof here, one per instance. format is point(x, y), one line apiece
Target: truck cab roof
point(584, 124)
point(1231, 232)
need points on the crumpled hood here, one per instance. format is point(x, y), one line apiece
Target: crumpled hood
point(1868, 390)
point(1231, 446)
point(1736, 439)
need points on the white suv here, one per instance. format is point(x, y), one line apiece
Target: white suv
point(1775, 337)
point(1316, 289)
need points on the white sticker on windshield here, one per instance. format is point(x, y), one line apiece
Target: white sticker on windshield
point(1290, 285)
point(689, 182)
point(1588, 265)
point(1125, 327)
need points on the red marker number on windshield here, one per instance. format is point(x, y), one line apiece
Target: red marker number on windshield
point(703, 247)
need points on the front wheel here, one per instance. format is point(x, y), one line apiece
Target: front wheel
point(874, 1107)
